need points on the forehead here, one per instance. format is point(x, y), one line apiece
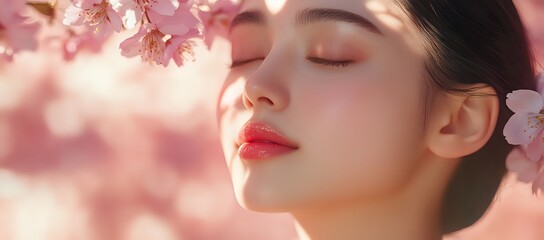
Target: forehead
point(383, 13)
point(276, 6)
point(387, 15)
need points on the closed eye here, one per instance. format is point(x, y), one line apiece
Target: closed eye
point(333, 63)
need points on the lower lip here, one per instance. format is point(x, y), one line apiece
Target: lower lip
point(261, 150)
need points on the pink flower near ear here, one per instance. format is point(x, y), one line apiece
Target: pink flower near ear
point(525, 169)
point(525, 128)
point(97, 14)
point(216, 18)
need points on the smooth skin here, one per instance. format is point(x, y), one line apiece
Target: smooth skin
point(364, 169)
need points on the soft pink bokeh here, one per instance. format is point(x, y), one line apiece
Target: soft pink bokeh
point(106, 147)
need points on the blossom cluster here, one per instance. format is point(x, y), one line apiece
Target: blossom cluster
point(526, 129)
point(166, 28)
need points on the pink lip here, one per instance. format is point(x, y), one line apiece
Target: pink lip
point(258, 140)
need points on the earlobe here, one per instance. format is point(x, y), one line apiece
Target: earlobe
point(463, 123)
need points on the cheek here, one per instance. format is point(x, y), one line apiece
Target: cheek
point(361, 134)
point(229, 109)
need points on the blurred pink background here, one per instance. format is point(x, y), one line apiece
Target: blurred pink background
point(106, 147)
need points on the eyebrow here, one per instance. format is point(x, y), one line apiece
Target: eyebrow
point(253, 16)
point(310, 15)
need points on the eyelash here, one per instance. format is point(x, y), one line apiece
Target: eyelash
point(337, 64)
point(343, 63)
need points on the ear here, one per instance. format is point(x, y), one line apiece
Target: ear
point(460, 124)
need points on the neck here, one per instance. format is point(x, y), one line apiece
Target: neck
point(380, 221)
point(410, 214)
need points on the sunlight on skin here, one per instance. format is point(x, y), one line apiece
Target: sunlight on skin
point(232, 92)
point(382, 14)
point(395, 20)
point(91, 110)
point(376, 6)
point(390, 21)
point(274, 6)
point(229, 100)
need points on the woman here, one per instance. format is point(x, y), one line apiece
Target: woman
point(371, 119)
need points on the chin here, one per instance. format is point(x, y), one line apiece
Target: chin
point(263, 200)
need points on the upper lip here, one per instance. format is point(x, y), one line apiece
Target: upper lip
point(257, 131)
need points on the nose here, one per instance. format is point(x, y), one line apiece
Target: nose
point(266, 88)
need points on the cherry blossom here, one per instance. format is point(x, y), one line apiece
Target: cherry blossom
point(526, 170)
point(131, 11)
point(152, 39)
point(97, 14)
point(216, 18)
point(167, 28)
point(148, 43)
point(178, 47)
point(178, 24)
point(525, 128)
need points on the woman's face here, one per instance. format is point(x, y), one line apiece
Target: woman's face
point(341, 81)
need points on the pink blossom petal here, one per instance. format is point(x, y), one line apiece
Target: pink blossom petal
point(177, 46)
point(130, 12)
point(103, 30)
point(148, 43)
point(73, 16)
point(525, 169)
point(164, 7)
point(217, 19)
point(86, 4)
point(535, 149)
point(130, 47)
point(524, 101)
point(114, 18)
point(174, 29)
point(178, 24)
point(522, 128)
point(219, 28)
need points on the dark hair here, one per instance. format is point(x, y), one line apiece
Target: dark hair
point(467, 43)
